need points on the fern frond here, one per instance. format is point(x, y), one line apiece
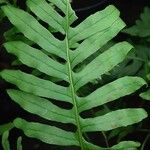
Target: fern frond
point(35, 94)
point(142, 26)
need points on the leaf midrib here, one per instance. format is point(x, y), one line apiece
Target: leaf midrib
point(76, 111)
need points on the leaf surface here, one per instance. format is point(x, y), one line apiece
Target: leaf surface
point(34, 31)
point(116, 119)
point(95, 42)
point(35, 85)
point(46, 13)
point(5, 142)
point(109, 92)
point(145, 95)
point(45, 133)
point(41, 107)
point(93, 24)
point(19, 145)
point(37, 59)
point(102, 64)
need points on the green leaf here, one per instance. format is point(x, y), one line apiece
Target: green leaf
point(5, 142)
point(94, 24)
point(46, 13)
point(142, 26)
point(100, 65)
point(125, 145)
point(120, 133)
point(109, 92)
point(145, 95)
point(37, 59)
point(35, 85)
point(1, 15)
point(62, 5)
point(6, 127)
point(129, 145)
point(33, 30)
point(3, 1)
point(95, 42)
point(118, 118)
point(41, 107)
point(13, 35)
point(19, 145)
point(45, 133)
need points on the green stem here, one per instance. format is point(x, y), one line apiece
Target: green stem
point(70, 73)
point(145, 141)
point(105, 138)
point(144, 130)
point(136, 58)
